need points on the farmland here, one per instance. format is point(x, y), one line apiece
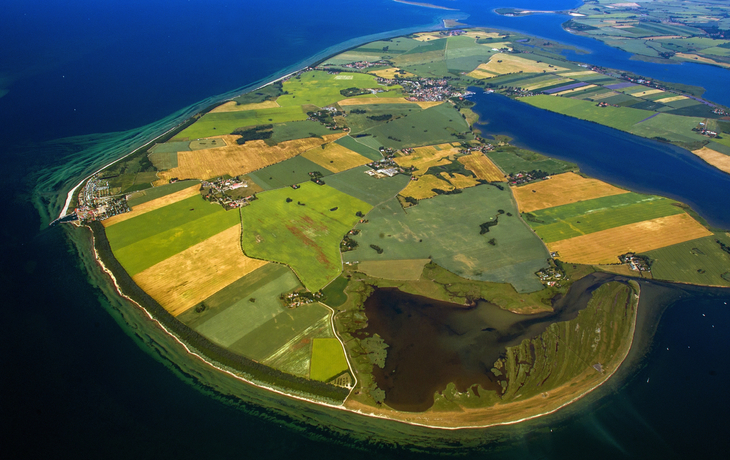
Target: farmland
point(321, 88)
point(584, 217)
point(439, 124)
point(237, 159)
point(367, 188)
point(512, 160)
point(604, 247)
point(335, 157)
point(406, 269)
point(328, 359)
point(215, 124)
point(308, 228)
point(192, 189)
point(560, 190)
point(447, 230)
point(150, 238)
point(699, 261)
point(482, 167)
point(286, 173)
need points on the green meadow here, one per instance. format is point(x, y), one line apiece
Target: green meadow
point(700, 261)
point(321, 88)
point(304, 233)
point(584, 217)
point(446, 229)
point(328, 359)
point(374, 191)
point(214, 124)
point(512, 160)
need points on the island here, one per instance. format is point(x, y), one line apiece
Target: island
point(348, 235)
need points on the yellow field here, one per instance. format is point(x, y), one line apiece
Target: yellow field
point(671, 99)
point(550, 82)
point(336, 158)
point(694, 57)
point(191, 276)
point(575, 74)
point(605, 246)
point(421, 189)
point(153, 204)
point(407, 269)
point(561, 189)
point(568, 91)
point(237, 159)
point(423, 158)
point(390, 73)
point(459, 180)
point(647, 92)
point(232, 106)
point(716, 159)
point(481, 74)
point(503, 63)
point(386, 100)
point(482, 167)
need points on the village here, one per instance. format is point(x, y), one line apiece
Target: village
point(97, 203)
point(636, 263)
point(231, 193)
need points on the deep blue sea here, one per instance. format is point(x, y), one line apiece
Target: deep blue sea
point(79, 376)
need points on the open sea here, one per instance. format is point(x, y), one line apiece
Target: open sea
point(84, 374)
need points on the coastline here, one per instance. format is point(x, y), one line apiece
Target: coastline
point(392, 415)
point(425, 5)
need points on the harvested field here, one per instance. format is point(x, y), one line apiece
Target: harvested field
point(605, 246)
point(198, 272)
point(578, 73)
point(716, 159)
point(704, 60)
point(482, 167)
point(157, 203)
point(237, 159)
point(546, 83)
point(574, 90)
point(233, 106)
point(422, 188)
point(481, 74)
point(407, 269)
point(647, 92)
point(385, 100)
point(502, 64)
point(671, 99)
point(459, 180)
point(423, 158)
point(335, 157)
point(391, 73)
point(561, 189)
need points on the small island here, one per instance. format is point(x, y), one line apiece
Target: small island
point(349, 236)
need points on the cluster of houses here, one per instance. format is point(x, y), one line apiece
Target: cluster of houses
point(96, 202)
point(229, 193)
point(299, 298)
point(383, 168)
point(359, 65)
point(636, 263)
point(551, 276)
point(702, 129)
point(425, 89)
point(605, 104)
point(524, 177)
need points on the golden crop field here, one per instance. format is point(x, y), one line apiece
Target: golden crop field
point(151, 205)
point(237, 159)
point(386, 100)
point(407, 269)
point(694, 57)
point(481, 74)
point(423, 158)
point(193, 275)
point(421, 189)
point(459, 180)
point(390, 73)
point(647, 92)
point(568, 91)
point(503, 63)
point(232, 106)
point(671, 99)
point(578, 73)
point(335, 157)
point(716, 159)
point(605, 246)
point(550, 82)
point(482, 167)
point(561, 189)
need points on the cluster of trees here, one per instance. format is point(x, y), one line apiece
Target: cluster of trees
point(261, 132)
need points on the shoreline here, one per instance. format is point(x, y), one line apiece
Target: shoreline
point(425, 5)
point(361, 411)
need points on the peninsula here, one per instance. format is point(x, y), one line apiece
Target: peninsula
point(348, 235)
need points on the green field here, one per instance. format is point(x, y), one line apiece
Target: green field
point(699, 261)
point(328, 359)
point(264, 341)
point(214, 124)
point(356, 183)
point(446, 229)
point(409, 269)
point(514, 159)
point(359, 122)
point(164, 160)
point(584, 217)
point(668, 126)
point(463, 54)
point(171, 147)
point(304, 236)
point(623, 118)
point(362, 149)
point(158, 192)
point(322, 88)
point(295, 355)
point(288, 172)
point(298, 130)
point(435, 125)
point(335, 292)
point(141, 242)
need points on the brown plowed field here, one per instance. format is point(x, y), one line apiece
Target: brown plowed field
point(235, 159)
point(153, 204)
point(561, 189)
point(191, 276)
point(482, 167)
point(605, 246)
